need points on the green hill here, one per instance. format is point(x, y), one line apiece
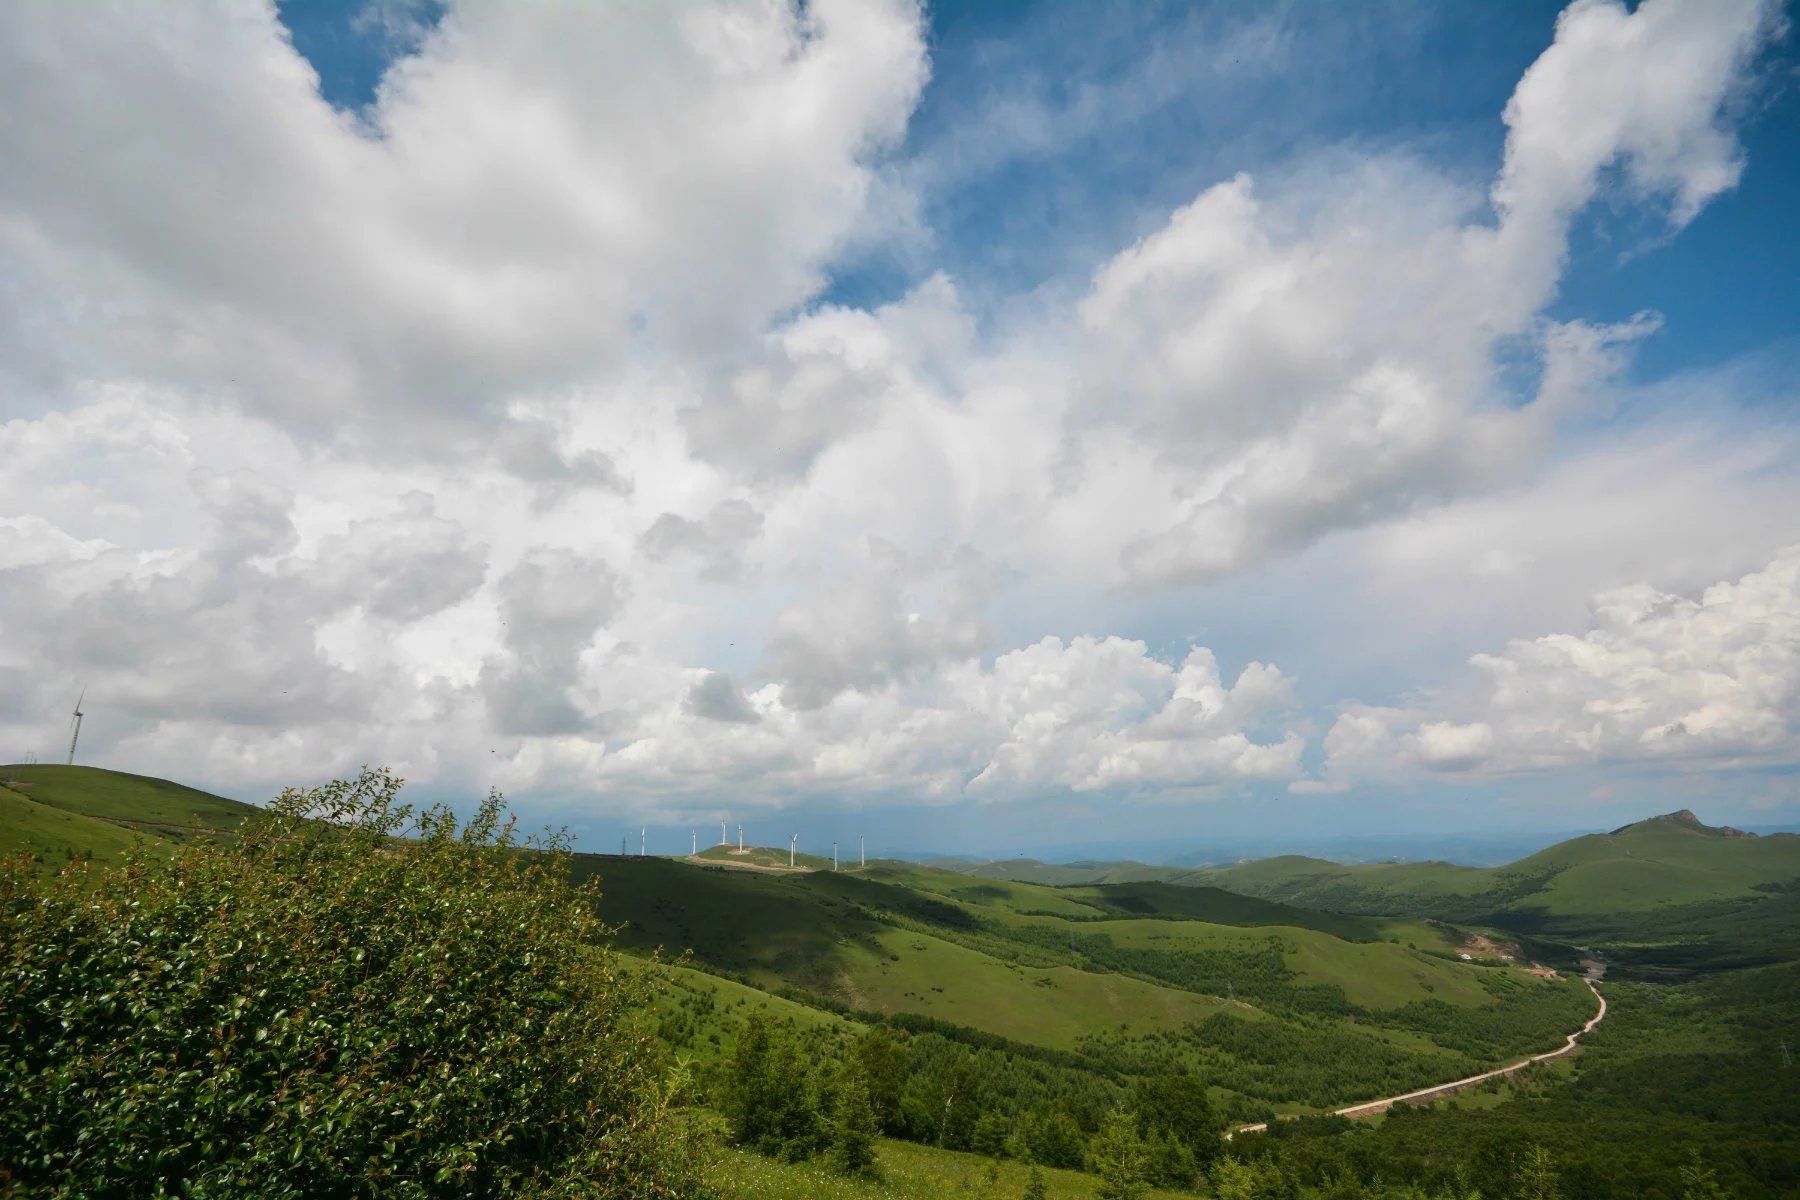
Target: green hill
point(55, 813)
point(764, 856)
point(1172, 974)
point(53, 836)
point(1669, 890)
point(1013, 1015)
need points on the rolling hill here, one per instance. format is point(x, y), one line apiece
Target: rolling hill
point(57, 813)
point(1666, 893)
point(1669, 891)
point(1281, 1006)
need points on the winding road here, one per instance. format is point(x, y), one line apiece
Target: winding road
point(1370, 1107)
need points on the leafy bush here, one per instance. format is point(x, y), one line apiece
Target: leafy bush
point(352, 998)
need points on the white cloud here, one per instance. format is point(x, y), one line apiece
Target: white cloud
point(498, 431)
point(1642, 89)
point(1658, 677)
point(1098, 715)
point(541, 193)
point(1332, 358)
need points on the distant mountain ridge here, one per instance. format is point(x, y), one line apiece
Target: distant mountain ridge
point(1668, 890)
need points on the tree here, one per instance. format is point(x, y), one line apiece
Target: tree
point(1169, 1164)
point(989, 1135)
point(770, 1096)
point(1698, 1181)
point(1534, 1176)
point(1035, 1187)
point(1176, 1109)
point(1234, 1179)
point(745, 1093)
point(884, 1066)
point(1053, 1138)
point(953, 1098)
point(853, 1124)
point(349, 997)
point(1117, 1157)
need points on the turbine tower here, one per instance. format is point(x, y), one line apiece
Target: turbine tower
point(792, 843)
point(740, 837)
point(75, 727)
point(643, 841)
point(834, 856)
point(862, 854)
point(723, 840)
point(693, 843)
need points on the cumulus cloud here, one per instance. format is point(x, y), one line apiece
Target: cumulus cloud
point(1332, 358)
point(402, 566)
point(1100, 713)
point(500, 430)
point(535, 194)
point(1090, 715)
point(892, 619)
point(1641, 89)
point(551, 606)
point(1656, 677)
point(716, 542)
point(825, 376)
point(717, 698)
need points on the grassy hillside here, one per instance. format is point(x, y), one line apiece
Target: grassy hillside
point(1668, 892)
point(908, 1172)
point(1680, 1082)
point(1111, 973)
point(55, 813)
point(1664, 861)
point(54, 836)
point(1254, 991)
point(764, 856)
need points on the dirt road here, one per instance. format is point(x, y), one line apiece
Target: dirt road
point(1370, 1107)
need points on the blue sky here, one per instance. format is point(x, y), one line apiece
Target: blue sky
point(1009, 425)
point(1428, 77)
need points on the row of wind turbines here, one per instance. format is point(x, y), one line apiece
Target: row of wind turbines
point(862, 856)
point(862, 853)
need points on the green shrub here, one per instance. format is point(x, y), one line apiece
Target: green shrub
point(353, 998)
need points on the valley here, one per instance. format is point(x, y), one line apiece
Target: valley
point(1025, 1010)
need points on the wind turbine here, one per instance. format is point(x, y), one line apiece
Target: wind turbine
point(75, 728)
point(723, 840)
point(740, 837)
point(643, 841)
point(834, 856)
point(862, 855)
point(693, 843)
point(792, 843)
